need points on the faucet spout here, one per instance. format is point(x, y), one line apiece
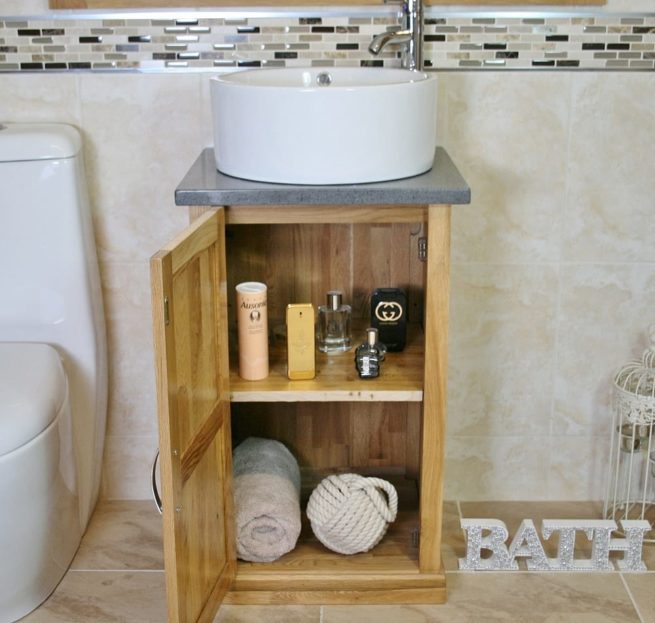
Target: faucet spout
point(410, 34)
point(391, 36)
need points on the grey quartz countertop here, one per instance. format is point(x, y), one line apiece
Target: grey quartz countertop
point(203, 185)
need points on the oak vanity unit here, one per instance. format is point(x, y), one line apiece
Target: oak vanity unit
point(302, 241)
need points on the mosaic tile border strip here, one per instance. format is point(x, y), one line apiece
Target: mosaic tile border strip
point(215, 41)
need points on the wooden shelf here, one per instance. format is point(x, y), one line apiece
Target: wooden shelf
point(401, 379)
point(311, 573)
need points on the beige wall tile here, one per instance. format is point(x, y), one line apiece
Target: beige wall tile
point(132, 399)
point(40, 98)
point(144, 132)
point(578, 467)
point(127, 466)
point(609, 204)
point(604, 314)
point(501, 349)
point(39, 7)
point(507, 132)
point(496, 468)
point(207, 128)
point(23, 7)
point(629, 5)
point(527, 331)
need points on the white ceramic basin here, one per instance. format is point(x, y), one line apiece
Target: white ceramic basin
point(282, 125)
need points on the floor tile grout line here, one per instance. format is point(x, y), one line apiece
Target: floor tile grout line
point(548, 572)
point(77, 570)
point(632, 599)
point(458, 506)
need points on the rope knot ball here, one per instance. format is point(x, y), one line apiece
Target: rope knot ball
point(350, 513)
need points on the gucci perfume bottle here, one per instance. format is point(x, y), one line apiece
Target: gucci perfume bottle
point(368, 356)
point(389, 317)
point(333, 330)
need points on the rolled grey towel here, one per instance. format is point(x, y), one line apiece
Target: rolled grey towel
point(266, 499)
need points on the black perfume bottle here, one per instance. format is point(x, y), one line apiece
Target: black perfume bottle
point(389, 317)
point(368, 356)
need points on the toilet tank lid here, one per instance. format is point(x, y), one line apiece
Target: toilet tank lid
point(33, 390)
point(38, 141)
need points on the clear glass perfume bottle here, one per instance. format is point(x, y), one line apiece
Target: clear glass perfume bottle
point(368, 356)
point(333, 330)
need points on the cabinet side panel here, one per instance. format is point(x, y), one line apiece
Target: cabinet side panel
point(434, 392)
point(413, 440)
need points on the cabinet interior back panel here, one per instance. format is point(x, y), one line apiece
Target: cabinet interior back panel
point(376, 438)
point(300, 263)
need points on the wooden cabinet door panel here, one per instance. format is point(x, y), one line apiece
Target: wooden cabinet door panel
point(189, 290)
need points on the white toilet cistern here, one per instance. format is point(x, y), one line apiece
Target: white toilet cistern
point(53, 361)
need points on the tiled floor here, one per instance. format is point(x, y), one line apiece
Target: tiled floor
point(117, 576)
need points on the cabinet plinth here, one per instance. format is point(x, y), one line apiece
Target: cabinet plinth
point(313, 575)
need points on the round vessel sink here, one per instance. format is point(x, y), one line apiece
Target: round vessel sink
point(332, 125)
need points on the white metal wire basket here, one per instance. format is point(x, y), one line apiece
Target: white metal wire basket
point(631, 476)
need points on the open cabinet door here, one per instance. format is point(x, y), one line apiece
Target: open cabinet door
point(189, 303)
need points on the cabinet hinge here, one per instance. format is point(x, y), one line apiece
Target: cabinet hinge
point(167, 318)
point(416, 537)
point(423, 249)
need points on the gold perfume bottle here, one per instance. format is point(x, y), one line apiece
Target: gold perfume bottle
point(300, 341)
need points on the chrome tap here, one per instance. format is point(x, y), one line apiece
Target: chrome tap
point(410, 34)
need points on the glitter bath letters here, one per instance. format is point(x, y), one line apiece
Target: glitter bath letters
point(492, 535)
